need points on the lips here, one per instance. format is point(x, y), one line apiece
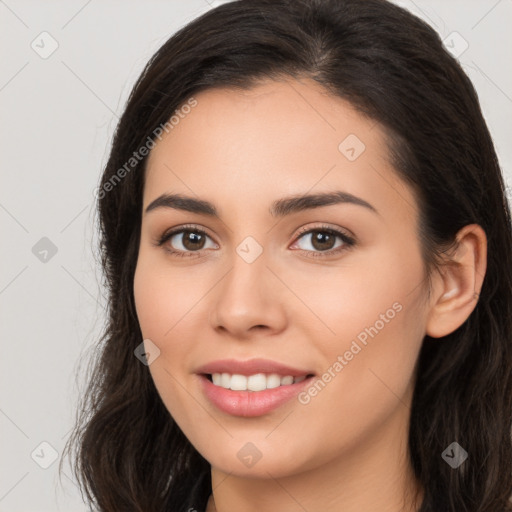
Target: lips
point(251, 367)
point(248, 403)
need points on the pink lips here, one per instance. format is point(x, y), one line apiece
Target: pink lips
point(250, 367)
point(250, 403)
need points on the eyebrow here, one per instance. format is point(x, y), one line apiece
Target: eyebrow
point(279, 208)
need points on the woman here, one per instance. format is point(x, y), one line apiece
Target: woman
point(307, 246)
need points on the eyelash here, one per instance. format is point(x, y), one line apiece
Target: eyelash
point(348, 241)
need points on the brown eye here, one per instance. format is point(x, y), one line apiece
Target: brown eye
point(323, 241)
point(186, 241)
point(192, 241)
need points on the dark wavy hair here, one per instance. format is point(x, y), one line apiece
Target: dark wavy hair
point(130, 455)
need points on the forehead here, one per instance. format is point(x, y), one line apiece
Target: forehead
point(278, 138)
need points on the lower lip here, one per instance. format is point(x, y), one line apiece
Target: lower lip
point(250, 403)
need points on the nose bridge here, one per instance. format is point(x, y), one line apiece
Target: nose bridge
point(247, 276)
point(246, 296)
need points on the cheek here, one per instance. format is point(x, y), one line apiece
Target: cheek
point(161, 312)
point(150, 296)
point(376, 320)
point(366, 384)
point(163, 297)
point(375, 292)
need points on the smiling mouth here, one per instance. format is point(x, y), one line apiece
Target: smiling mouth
point(256, 382)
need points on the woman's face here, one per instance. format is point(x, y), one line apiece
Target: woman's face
point(267, 281)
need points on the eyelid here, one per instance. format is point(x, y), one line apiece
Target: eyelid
point(306, 229)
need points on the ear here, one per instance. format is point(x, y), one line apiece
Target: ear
point(457, 286)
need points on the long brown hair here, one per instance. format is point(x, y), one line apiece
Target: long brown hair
point(391, 66)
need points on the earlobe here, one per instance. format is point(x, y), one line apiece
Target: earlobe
point(458, 283)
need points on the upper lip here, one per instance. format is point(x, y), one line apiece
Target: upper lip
point(250, 367)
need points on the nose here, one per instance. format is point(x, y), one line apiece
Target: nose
point(249, 300)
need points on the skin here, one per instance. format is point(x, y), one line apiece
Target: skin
point(346, 449)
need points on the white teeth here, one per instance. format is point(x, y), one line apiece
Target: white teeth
point(256, 382)
point(286, 380)
point(238, 382)
point(225, 380)
point(273, 381)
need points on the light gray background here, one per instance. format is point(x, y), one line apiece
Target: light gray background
point(58, 115)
